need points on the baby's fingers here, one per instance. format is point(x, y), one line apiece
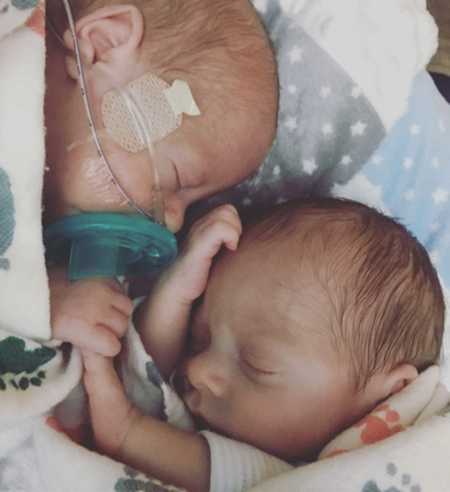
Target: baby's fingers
point(230, 234)
point(94, 362)
point(221, 226)
point(123, 304)
point(106, 343)
point(116, 321)
point(96, 338)
point(225, 213)
point(213, 237)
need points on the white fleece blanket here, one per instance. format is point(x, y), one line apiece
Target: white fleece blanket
point(382, 44)
point(33, 376)
point(23, 286)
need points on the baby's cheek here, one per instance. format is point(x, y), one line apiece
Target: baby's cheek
point(236, 415)
point(257, 419)
point(136, 176)
point(96, 188)
point(80, 184)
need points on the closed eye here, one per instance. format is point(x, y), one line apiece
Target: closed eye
point(258, 369)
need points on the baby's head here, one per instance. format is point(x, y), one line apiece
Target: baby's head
point(219, 48)
point(327, 308)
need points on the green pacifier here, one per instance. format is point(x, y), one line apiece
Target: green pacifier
point(109, 245)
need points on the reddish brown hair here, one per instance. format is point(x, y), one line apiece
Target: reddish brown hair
point(386, 302)
point(222, 50)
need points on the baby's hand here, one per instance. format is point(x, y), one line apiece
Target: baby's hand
point(111, 413)
point(189, 274)
point(91, 314)
point(162, 320)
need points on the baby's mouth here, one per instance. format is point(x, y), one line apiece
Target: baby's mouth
point(190, 396)
point(192, 399)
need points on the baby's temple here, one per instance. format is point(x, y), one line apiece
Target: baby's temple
point(224, 246)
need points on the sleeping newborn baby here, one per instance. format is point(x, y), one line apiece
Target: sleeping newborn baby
point(324, 309)
point(222, 52)
point(219, 49)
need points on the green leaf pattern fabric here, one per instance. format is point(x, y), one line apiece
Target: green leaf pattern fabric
point(7, 218)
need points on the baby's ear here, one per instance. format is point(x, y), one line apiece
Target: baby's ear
point(108, 34)
point(398, 378)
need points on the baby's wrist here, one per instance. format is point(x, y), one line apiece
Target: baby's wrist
point(126, 442)
point(171, 288)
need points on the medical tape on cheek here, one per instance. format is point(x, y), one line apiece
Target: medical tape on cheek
point(159, 111)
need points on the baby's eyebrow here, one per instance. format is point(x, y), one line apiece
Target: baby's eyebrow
point(264, 347)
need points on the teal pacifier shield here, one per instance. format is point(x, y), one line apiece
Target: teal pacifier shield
point(109, 245)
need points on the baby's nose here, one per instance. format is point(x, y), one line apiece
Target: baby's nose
point(174, 211)
point(209, 371)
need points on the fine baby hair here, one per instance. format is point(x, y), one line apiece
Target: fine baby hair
point(221, 51)
point(386, 302)
point(308, 314)
point(215, 58)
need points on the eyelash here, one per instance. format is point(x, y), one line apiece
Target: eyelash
point(257, 369)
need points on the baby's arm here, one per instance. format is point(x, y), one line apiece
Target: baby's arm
point(157, 448)
point(154, 447)
point(163, 319)
point(91, 314)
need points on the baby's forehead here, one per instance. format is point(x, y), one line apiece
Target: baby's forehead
point(298, 250)
point(301, 342)
point(295, 276)
point(276, 297)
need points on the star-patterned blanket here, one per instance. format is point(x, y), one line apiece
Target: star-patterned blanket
point(408, 177)
point(346, 73)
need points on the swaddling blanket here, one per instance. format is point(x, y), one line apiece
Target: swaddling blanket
point(361, 459)
point(235, 466)
point(33, 376)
